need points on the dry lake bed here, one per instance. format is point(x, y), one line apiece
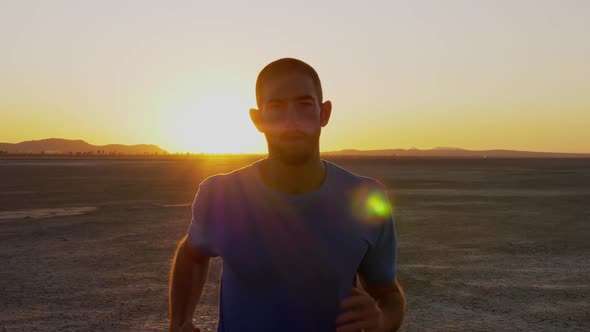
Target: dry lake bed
point(484, 244)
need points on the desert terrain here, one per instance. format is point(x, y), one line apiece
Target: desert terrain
point(484, 244)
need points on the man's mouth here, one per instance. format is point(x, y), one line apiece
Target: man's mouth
point(288, 137)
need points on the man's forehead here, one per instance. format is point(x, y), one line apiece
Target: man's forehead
point(290, 86)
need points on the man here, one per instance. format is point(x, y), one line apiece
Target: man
point(293, 230)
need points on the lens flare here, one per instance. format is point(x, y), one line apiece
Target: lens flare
point(370, 205)
point(378, 205)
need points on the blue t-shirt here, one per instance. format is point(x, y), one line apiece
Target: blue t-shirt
point(288, 260)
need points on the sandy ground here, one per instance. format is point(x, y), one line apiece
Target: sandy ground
point(483, 244)
point(46, 213)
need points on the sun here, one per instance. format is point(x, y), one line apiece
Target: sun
point(210, 122)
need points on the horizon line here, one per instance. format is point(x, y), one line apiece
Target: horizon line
point(360, 150)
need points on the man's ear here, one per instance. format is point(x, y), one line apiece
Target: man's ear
point(326, 112)
point(256, 118)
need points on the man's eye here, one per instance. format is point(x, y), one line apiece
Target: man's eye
point(274, 105)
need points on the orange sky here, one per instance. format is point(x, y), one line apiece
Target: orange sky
point(477, 75)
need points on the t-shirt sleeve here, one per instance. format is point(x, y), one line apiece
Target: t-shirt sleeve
point(200, 232)
point(379, 263)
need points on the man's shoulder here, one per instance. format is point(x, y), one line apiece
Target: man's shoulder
point(223, 181)
point(350, 179)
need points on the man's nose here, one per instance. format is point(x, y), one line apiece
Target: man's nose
point(292, 117)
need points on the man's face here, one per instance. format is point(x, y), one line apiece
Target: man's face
point(291, 117)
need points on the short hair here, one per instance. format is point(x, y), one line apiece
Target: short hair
point(282, 67)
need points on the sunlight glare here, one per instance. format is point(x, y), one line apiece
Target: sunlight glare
point(211, 122)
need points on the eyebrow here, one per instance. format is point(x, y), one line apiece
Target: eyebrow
point(305, 97)
point(298, 98)
point(274, 100)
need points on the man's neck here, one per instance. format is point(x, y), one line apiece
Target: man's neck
point(293, 179)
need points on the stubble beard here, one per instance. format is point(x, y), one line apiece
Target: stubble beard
point(297, 156)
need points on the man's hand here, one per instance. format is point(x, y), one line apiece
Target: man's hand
point(361, 313)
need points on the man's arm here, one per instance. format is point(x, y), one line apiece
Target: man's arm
point(391, 300)
point(380, 306)
point(187, 277)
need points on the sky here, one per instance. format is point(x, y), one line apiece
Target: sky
point(400, 74)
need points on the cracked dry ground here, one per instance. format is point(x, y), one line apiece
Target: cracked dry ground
point(483, 244)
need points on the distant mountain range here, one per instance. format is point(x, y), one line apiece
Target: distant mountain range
point(66, 146)
point(456, 152)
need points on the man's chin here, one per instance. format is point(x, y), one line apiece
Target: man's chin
point(293, 153)
point(293, 156)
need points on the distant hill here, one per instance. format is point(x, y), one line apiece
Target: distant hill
point(455, 152)
point(66, 146)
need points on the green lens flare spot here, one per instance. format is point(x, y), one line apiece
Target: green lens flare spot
point(378, 205)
